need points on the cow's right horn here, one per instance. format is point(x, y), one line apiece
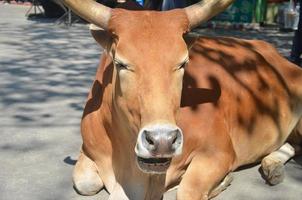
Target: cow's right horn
point(204, 10)
point(91, 11)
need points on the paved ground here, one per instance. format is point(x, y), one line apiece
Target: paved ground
point(45, 73)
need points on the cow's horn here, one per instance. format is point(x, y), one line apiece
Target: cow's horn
point(91, 11)
point(204, 10)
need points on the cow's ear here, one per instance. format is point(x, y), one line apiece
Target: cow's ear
point(189, 39)
point(101, 36)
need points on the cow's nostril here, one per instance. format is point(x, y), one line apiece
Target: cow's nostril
point(174, 139)
point(149, 139)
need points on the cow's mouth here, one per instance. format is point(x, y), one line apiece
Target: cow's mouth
point(154, 165)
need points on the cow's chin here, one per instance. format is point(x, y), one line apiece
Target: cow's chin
point(153, 165)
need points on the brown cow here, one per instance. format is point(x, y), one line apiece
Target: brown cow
point(163, 112)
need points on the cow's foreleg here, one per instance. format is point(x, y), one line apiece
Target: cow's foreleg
point(273, 164)
point(86, 179)
point(204, 173)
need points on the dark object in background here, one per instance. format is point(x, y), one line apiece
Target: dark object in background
point(172, 4)
point(153, 5)
point(160, 4)
point(129, 4)
point(108, 3)
point(52, 10)
point(296, 52)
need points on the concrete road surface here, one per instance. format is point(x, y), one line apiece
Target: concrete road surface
point(45, 74)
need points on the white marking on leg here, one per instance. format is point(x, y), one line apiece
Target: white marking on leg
point(283, 154)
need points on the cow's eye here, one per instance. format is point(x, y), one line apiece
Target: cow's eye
point(121, 65)
point(183, 65)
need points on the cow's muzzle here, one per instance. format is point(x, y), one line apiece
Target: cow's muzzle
point(156, 145)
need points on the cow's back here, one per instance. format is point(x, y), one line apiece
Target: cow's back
point(238, 90)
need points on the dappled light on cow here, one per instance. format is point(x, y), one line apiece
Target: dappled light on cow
point(193, 95)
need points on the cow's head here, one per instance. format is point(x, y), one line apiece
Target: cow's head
point(149, 54)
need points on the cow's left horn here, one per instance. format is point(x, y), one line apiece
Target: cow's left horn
point(204, 10)
point(91, 11)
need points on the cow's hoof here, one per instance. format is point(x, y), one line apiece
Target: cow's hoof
point(273, 170)
point(88, 188)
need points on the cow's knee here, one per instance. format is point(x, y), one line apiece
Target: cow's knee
point(86, 179)
point(273, 164)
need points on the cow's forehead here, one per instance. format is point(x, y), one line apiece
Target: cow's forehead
point(149, 34)
point(124, 21)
